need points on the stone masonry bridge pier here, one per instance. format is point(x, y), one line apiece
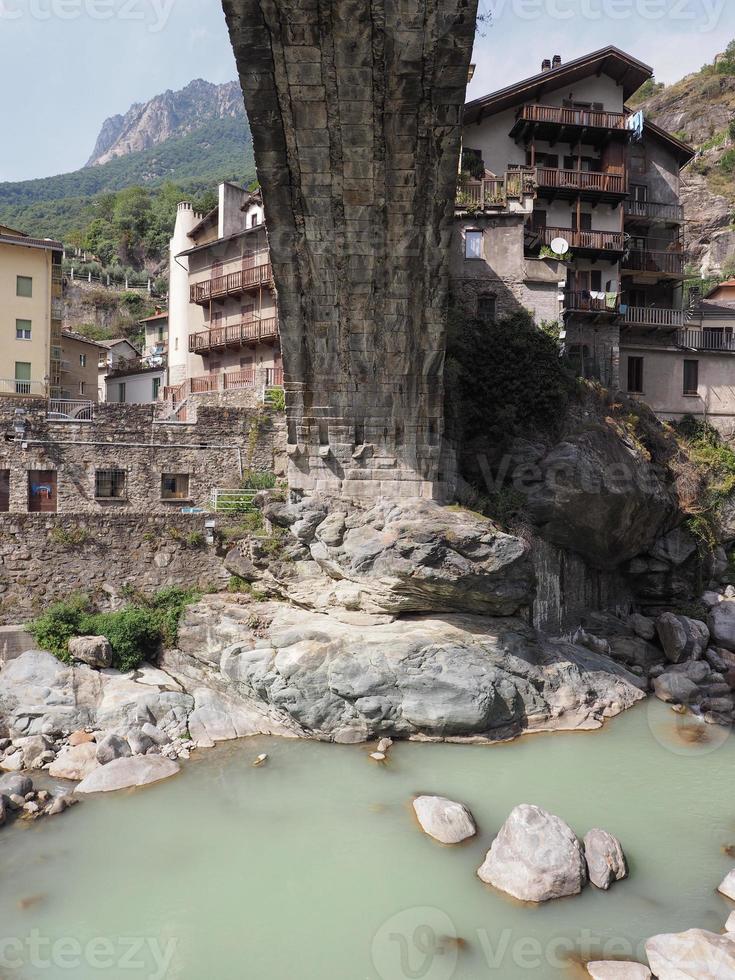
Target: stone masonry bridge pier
point(355, 110)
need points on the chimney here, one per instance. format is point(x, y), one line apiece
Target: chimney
point(545, 65)
point(557, 61)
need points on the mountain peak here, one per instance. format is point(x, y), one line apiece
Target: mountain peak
point(165, 116)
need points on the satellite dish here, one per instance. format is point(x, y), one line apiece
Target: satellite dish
point(560, 246)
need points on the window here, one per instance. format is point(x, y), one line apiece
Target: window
point(82, 360)
point(24, 286)
point(638, 163)
point(22, 329)
point(22, 378)
point(175, 486)
point(109, 484)
point(581, 222)
point(42, 491)
point(82, 386)
point(121, 392)
point(691, 377)
point(635, 375)
point(4, 490)
point(486, 307)
point(473, 245)
point(254, 220)
point(156, 388)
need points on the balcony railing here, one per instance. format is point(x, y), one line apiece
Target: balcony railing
point(586, 301)
point(655, 211)
point(31, 389)
point(234, 335)
point(648, 316)
point(587, 241)
point(706, 340)
point(495, 192)
point(581, 180)
point(663, 263)
point(563, 116)
point(136, 365)
point(232, 283)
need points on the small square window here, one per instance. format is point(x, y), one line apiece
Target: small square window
point(23, 329)
point(175, 486)
point(24, 286)
point(473, 244)
point(110, 484)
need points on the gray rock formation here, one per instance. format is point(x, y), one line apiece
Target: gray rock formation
point(536, 857)
point(454, 675)
point(681, 637)
point(697, 954)
point(363, 203)
point(444, 820)
point(126, 773)
point(722, 624)
point(605, 859)
point(92, 650)
point(111, 747)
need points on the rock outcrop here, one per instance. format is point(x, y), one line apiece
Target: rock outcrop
point(536, 857)
point(127, 773)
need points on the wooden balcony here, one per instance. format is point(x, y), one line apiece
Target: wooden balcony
point(656, 263)
point(706, 340)
point(494, 193)
point(553, 182)
point(232, 284)
point(610, 243)
point(654, 318)
point(647, 212)
point(561, 124)
point(586, 303)
point(234, 335)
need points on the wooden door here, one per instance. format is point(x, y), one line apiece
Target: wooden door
point(42, 491)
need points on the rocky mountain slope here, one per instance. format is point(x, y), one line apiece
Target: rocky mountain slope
point(700, 109)
point(165, 117)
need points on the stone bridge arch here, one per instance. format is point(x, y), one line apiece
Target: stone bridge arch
point(355, 110)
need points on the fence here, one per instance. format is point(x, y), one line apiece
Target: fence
point(232, 501)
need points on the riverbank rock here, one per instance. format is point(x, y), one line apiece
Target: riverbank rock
point(75, 761)
point(536, 857)
point(722, 624)
point(92, 650)
point(444, 820)
point(617, 970)
point(681, 637)
point(727, 887)
point(605, 859)
point(698, 954)
point(111, 747)
point(126, 773)
point(443, 677)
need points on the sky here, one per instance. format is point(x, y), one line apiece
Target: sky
point(66, 65)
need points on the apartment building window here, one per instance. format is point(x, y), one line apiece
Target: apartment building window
point(254, 220)
point(691, 377)
point(472, 244)
point(175, 486)
point(82, 360)
point(487, 306)
point(110, 484)
point(581, 222)
point(24, 286)
point(22, 377)
point(23, 329)
point(635, 375)
point(82, 387)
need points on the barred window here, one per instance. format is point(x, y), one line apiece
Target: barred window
point(175, 486)
point(109, 484)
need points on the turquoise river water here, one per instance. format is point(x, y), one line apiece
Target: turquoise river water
point(312, 868)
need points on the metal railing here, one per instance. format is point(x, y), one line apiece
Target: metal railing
point(716, 340)
point(232, 501)
point(598, 241)
point(649, 316)
point(235, 334)
point(665, 263)
point(582, 180)
point(655, 210)
point(564, 116)
point(136, 365)
point(232, 282)
point(12, 386)
point(71, 409)
point(582, 301)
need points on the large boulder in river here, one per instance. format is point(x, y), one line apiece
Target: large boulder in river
point(605, 859)
point(125, 773)
point(722, 624)
point(535, 857)
point(444, 820)
point(681, 637)
point(441, 676)
point(697, 953)
point(95, 651)
point(597, 494)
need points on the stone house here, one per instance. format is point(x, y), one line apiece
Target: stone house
point(80, 358)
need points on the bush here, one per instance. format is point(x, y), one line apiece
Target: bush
point(135, 632)
point(258, 480)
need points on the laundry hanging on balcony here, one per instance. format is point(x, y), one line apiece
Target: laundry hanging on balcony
point(635, 124)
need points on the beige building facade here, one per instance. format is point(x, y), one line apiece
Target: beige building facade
point(30, 314)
